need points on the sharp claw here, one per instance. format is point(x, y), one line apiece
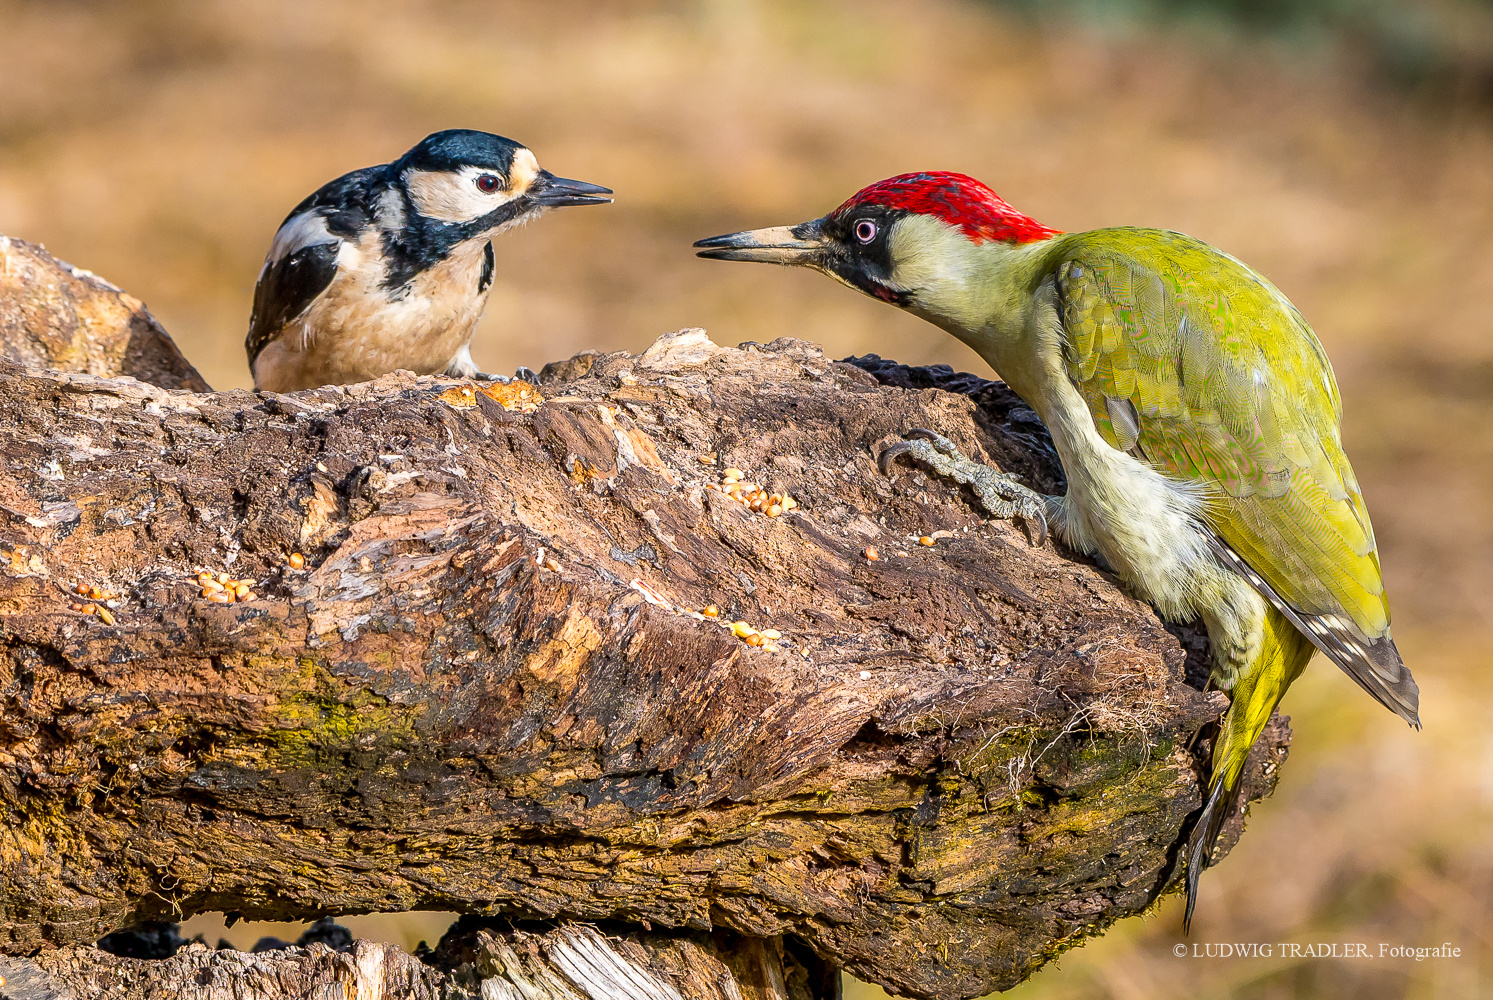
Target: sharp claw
point(890, 454)
point(526, 374)
point(1038, 524)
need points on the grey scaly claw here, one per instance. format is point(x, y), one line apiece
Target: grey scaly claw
point(488, 377)
point(998, 492)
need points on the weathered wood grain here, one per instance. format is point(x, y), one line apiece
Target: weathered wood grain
point(572, 962)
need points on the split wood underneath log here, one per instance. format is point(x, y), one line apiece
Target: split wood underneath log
point(489, 688)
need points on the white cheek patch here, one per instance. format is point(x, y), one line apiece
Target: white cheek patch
point(453, 196)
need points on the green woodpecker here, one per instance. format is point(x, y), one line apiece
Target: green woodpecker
point(1195, 414)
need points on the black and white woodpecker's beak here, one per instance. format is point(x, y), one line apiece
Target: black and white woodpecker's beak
point(549, 191)
point(804, 244)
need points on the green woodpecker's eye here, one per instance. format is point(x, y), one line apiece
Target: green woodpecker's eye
point(488, 183)
point(865, 230)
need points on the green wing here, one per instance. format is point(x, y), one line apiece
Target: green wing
point(1195, 364)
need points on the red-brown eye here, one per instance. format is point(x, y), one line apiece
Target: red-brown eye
point(488, 183)
point(865, 230)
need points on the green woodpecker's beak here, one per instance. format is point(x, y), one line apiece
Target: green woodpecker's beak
point(803, 244)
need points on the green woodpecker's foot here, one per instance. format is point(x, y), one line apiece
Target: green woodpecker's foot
point(998, 492)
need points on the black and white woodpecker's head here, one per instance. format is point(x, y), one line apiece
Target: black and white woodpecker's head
point(389, 267)
point(934, 243)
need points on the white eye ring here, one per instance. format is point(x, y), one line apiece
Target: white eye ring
point(865, 230)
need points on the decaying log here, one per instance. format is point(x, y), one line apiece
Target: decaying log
point(573, 962)
point(490, 688)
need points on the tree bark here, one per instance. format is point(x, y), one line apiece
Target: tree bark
point(571, 962)
point(490, 688)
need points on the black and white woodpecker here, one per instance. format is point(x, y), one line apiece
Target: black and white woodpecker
point(390, 267)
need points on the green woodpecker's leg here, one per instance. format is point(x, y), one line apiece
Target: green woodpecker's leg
point(998, 492)
point(1255, 687)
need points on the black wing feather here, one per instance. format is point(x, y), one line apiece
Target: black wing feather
point(286, 289)
point(289, 285)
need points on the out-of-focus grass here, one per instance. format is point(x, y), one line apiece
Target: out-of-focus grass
point(160, 143)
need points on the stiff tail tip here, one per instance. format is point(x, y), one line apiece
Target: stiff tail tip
point(1200, 842)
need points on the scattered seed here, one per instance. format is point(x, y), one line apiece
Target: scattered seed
point(297, 561)
point(245, 595)
point(77, 607)
point(771, 633)
point(733, 473)
point(81, 590)
point(789, 503)
point(95, 593)
point(710, 611)
point(105, 615)
point(241, 591)
point(742, 630)
point(755, 639)
point(223, 578)
point(925, 540)
point(209, 585)
point(774, 510)
point(218, 596)
point(871, 554)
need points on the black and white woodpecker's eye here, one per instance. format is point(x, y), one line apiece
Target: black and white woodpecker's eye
point(488, 183)
point(865, 230)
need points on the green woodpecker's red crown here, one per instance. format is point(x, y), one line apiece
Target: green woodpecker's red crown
point(957, 199)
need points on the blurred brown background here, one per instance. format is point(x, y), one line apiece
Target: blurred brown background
point(1342, 147)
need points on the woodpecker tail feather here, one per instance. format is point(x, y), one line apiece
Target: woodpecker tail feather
point(1219, 807)
point(1257, 689)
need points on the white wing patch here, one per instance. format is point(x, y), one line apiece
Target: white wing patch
point(304, 230)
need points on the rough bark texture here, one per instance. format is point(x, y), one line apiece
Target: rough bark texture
point(573, 962)
point(53, 315)
point(489, 689)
